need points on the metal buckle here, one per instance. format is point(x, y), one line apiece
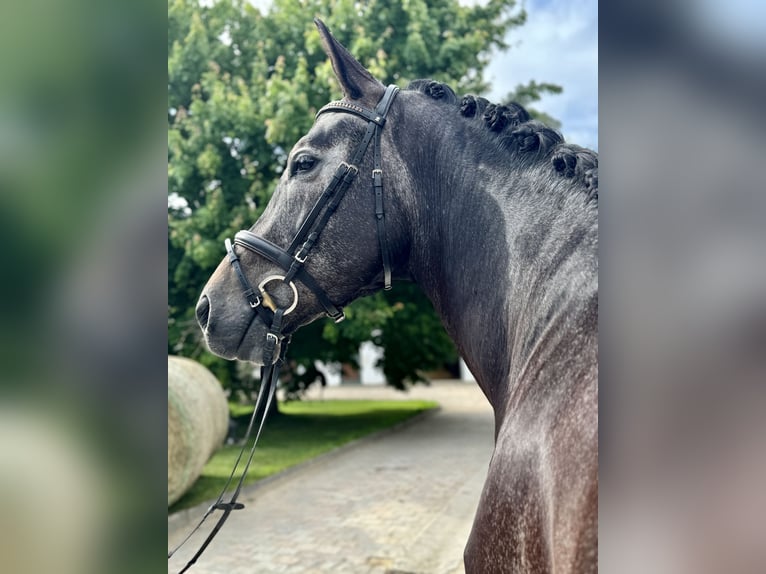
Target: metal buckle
point(298, 259)
point(378, 171)
point(350, 167)
point(258, 301)
point(267, 299)
point(273, 337)
point(230, 251)
point(341, 317)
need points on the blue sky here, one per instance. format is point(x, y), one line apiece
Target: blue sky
point(558, 44)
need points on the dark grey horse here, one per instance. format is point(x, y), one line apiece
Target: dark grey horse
point(496, 219)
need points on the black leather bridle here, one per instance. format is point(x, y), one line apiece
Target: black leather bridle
point(292, 261)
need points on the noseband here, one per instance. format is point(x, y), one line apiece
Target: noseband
point(292, 261)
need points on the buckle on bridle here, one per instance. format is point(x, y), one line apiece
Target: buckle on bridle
point(300, 259)
point(350, 167)
point(257, 302)
point(272, 337)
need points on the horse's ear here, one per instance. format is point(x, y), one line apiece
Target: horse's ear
point(355, 81)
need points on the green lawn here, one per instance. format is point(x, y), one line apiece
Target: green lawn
point(304, 430)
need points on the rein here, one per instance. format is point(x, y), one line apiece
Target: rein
point(292, 261)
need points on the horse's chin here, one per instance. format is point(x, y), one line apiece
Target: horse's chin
point(248, 348)
point(246, 352)
point(251, 351)
point(251, 355)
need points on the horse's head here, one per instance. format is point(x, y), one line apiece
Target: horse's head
point(323, 240)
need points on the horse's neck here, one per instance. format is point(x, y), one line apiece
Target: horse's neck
point(495, 251)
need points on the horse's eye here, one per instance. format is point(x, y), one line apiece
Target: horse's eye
point(303, 162)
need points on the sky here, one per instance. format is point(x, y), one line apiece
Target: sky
point(558, 44)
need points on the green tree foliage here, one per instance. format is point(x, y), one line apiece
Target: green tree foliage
point(243, 86)
point(531, 92)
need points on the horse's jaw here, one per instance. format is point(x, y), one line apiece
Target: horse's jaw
point(247, 351)
point(243, 339)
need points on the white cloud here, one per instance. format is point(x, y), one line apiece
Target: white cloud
point(558, 44)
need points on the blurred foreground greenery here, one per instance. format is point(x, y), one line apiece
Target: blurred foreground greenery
point(305, 429)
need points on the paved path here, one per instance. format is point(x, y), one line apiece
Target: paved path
point(399, 503)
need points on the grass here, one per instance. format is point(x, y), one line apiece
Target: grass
point(305, 429)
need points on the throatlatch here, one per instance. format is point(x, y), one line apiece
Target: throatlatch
point(292, 261)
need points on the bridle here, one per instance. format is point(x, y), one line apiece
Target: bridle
point(292, 261)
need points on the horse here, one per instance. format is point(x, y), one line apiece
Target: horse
point(495, 217)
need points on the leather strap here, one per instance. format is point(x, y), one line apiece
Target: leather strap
point(377, 185)
point(337, 178)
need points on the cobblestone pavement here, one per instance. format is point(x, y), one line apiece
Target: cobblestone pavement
point(399, 503)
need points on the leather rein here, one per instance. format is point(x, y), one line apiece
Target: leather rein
point(292, 261)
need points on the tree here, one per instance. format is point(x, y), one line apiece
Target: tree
point(242, 88)
point(527, 94)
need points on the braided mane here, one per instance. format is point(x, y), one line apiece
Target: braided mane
point(527, 140)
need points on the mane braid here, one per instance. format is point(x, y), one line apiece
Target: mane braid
point(529, 141)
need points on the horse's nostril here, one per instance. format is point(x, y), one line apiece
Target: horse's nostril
point(203, 311)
